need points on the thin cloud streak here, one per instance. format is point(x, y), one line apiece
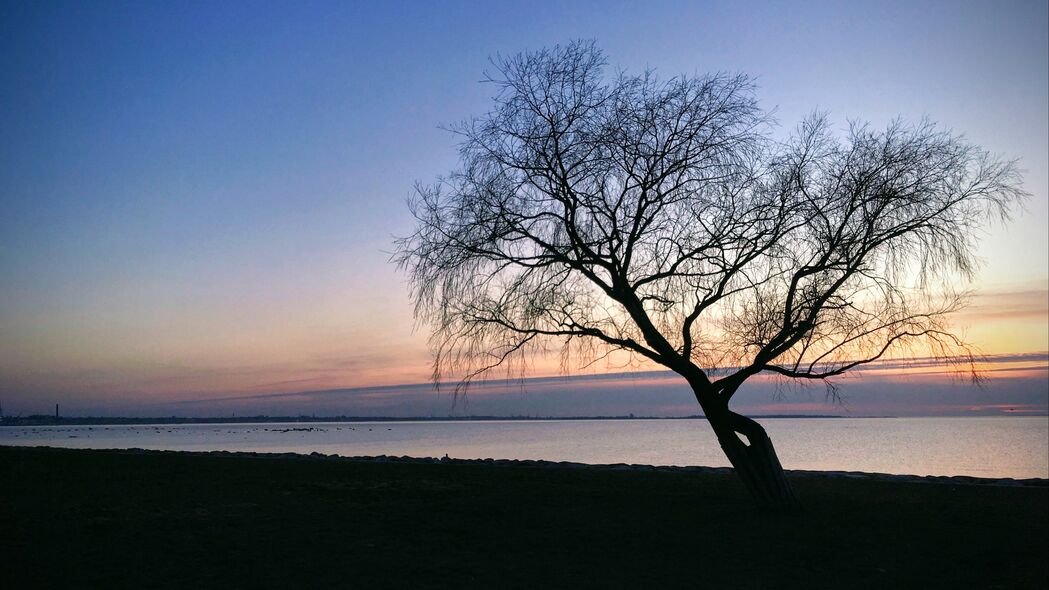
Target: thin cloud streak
point(1016, 304)
point(891, 391)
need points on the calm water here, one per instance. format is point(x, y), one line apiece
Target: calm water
point(983, 447)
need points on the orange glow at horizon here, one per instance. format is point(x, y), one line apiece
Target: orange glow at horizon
point(335, 349)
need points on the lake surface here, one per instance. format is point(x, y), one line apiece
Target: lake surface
point(981, 447)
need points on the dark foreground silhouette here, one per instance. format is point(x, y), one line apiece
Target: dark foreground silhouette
point(626, 216)
point(72, 518)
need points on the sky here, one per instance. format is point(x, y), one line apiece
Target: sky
point(198, 200)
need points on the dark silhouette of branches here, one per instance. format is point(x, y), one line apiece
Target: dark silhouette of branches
point(660, 218)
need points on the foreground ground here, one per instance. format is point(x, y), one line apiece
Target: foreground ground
point(113, 519)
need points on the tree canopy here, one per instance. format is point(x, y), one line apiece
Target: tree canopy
point(663, 218)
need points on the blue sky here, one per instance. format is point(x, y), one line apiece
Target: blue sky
point(197, 198)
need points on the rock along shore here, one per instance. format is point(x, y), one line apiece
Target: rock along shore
point(539, 463)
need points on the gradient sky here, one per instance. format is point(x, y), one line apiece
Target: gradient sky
point(197, 200)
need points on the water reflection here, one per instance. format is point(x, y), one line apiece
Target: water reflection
point(982, 447)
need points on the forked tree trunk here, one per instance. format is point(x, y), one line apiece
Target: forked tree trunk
point(751, 453)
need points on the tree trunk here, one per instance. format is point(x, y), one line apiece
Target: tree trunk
point(750, 451)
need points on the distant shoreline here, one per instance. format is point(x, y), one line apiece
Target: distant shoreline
point(38, 420)
point(43, 420)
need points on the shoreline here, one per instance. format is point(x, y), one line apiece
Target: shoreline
point(42, 420)
point(1033, 482)
point(48, 421)
point(174, 519)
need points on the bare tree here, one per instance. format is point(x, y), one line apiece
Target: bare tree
point(659, 218)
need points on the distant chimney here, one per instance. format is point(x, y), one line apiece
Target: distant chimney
point(56, 411)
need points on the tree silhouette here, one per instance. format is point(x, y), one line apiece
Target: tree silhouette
point(661, 219)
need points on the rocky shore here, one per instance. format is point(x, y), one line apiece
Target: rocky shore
point(538, 463)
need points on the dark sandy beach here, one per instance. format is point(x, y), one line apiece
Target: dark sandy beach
point(77, 519)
